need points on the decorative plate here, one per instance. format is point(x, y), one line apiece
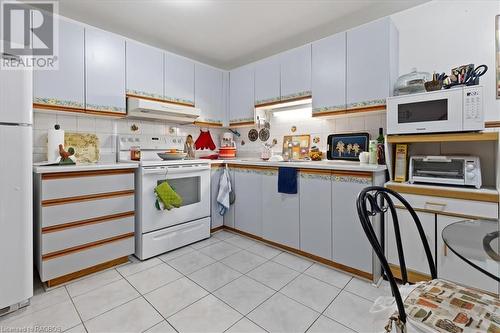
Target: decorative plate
point(347, 146)
point(253, 135)
point(264, 134)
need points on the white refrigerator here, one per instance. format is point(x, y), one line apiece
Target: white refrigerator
point(16, 201)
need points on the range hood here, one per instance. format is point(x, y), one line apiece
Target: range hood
point(145, 109)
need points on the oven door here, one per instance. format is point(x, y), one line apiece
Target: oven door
point(191, 182)
point(430, 112)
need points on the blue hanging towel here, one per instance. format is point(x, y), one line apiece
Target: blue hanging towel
point(287, 180)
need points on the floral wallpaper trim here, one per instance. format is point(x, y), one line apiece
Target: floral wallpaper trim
point(305, 175)
point(178, 100)
point(208, 120)
point(265, 172)
point(267, 100)
point(58, 102)
point(108, 108)
point(241, 120)
point(329, 108)
point(296, 95)
point(144, 94)
point(364, 104)
point(352, 179)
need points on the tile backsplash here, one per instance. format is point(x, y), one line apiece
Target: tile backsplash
point(107, 129)
point(316, 127)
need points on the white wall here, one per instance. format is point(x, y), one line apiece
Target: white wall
point(442, 34)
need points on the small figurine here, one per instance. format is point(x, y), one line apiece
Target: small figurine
point(66, 157)
point(189, 147)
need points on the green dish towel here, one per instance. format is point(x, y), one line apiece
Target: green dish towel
point(166, 197)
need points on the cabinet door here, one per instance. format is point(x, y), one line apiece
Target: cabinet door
point(415, 258)
point(104, 71)
point(248, 207)
point(296, 72)
point(350, 245)
point(369, 64)
point(179, 79)
point(267, 80)
point(241, 95)
point(453, 268)
point(280, 213)
point(225, 96)
point(144, 70)
point(229, 216)
point(208, 94)
point(328, 74)
point(64, 87)
point(217, 219)
point(316, 213)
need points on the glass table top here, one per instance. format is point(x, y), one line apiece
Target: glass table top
point(477, 243)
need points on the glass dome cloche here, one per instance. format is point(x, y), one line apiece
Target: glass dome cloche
point(411, 83)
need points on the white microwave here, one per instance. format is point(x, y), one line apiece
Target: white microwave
point(453, 110)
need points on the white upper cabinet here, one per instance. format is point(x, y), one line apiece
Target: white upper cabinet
point(241, 100)
point(104, 71)
point(267, 80)
point(328, 79)
point(179, 79)
point(296, 72)
point(144, 70)
point(64, 88)
point(209, 94)
point(372, 64)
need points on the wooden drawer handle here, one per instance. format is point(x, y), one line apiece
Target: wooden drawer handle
point(429, 203)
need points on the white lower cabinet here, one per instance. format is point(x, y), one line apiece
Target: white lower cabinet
point(85, 228)
point(217, 219)
point(350, 245)
point(280, 213)
point(415, 258)
point(229, 216)
point(248, 204)
point(316, 213)
point(451, 267)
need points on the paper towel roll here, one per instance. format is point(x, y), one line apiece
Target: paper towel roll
point(55, 138)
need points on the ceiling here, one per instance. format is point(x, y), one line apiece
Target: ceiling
point(228, 33)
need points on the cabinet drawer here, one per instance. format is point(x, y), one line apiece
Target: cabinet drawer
point(84, 184)
point(75, 261)
point(87, 209)
point(171, 238)
point(458, 207)
point(69, 237)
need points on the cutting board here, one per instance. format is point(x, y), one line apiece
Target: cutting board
point(86, 146)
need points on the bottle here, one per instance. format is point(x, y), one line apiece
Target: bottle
point(380, 147)
point(372, 149)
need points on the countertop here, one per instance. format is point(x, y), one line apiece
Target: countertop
point(324, 164)
point(40, 168)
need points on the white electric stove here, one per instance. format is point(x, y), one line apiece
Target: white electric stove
point(160, 231)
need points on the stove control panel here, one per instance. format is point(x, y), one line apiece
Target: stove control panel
point(150, 142)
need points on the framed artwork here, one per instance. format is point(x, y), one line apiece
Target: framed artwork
point(347, 146)
point(497, 54)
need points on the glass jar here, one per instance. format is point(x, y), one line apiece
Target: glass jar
point(411, 83)
point(135, 153)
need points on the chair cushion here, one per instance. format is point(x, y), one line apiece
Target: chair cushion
point(443, 306)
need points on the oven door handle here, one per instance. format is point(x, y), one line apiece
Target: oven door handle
point(174, 171)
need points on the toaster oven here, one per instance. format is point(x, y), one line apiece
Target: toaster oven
point(449, 170)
